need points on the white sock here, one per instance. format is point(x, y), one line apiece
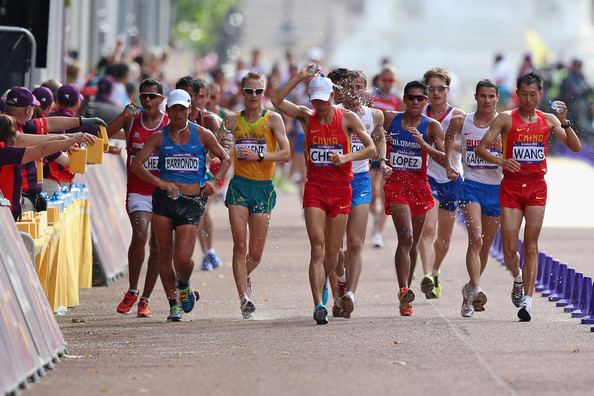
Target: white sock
point(135, 292)
point(342, 278)
point(528, 300)
point(518, 279)
point(210, 251)
point(435, 273)
point(351, 294)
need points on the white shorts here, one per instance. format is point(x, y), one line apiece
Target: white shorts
point(139, 203)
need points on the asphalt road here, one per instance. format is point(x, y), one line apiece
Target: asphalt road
point(283, 352)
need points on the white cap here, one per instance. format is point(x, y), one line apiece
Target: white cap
point(179, 96)
point(320, 88)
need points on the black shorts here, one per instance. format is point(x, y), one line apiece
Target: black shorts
point(184, 210)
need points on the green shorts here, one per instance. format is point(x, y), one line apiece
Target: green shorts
point(256, 195)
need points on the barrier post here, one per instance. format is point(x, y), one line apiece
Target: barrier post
point(590, 312)
point(546, 274)
point(584, 299)
point(520, 249)
point(574, 303)
point(567, 288)
point(539, 269)
point(560, 282)
point(552, 279)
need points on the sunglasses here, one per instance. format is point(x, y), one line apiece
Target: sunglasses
point(254, 91)
point(150, 96)
point(440, 88)
point(415, 98)
point(388, 80)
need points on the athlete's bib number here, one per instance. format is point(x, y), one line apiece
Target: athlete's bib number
point(182, 163)
point(528, 153)
point(475, 162)
point(258, 146)
point(320, 156)
point(151, 164)
point(405, 161)
point(356, 146)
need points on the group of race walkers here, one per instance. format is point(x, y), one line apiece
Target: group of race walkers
point(430, 160)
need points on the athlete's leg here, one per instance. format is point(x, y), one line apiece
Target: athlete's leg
point(426, 248)
point(511, 220)
point(473, 220)
point(185, 240)
point(534, 216)
point(258, 225)
point(205, 230)
point(152, 270)
point(164, 237)
point(377, 206)
point(238, 218)
point(445, 225)
point(315, 223)
point(417, 227)
point(490, 227)
point(335, 228)
point(403, 224)
point(356, 230)
point(140, 222)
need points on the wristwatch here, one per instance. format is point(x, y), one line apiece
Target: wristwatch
point(569, 124)
point(260, 156)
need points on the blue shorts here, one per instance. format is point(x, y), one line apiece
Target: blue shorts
point(361, 189)
point(299, 136)
point(486, 195)
point(448, 194)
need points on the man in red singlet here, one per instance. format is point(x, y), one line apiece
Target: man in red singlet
point(525, 133)
point(327, 194)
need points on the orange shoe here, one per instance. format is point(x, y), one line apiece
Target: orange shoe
point(406, 296)
point(126, 305)
point(143, 309)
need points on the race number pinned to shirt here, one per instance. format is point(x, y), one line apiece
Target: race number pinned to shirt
point(319, 154)
point(182, 163)
point(475, 162)
point(256, 145)
point(151, 164)
point(528, 152)
point(356, 144)
point(405, 161)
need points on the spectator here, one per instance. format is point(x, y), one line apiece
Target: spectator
point(100, 105)
point(574, 92)
point(46, 99)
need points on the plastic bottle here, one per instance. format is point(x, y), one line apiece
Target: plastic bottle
point(61, 310)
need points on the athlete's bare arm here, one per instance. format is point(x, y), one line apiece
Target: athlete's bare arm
point(153, 143)
point(288, 108)
point(283, 154)
point(434, 145)
point(352, 124)
point(379, 138)
point(454, 130)
point(567, 136)
point(210, 142)
point(121, 122)
point(499, 128)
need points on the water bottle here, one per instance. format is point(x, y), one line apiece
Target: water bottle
point(313, 69)
point(557, 106)
point(133, 110)
point(61, 310)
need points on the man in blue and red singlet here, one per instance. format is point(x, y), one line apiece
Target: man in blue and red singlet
point(524, 134)
point(138, 126)
point(412, 136)
point(327, 195)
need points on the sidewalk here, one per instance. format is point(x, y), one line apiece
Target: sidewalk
point(282, 351)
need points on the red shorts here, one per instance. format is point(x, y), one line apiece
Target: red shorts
point(332, 199)
point(417, 196)
point(519, 194)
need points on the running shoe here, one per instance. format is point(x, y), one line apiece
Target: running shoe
point(247, 309)
point(467, 309)
point(479, 301)
point(406, 296)
point(428, 287)
point(175, 314)
point(215, 261)
point(326, 292)
point(377, 240)
point(206, 263)
point(524, 312)
point(347, 303)
point(187, 298)
point(143, 309)
point(337, 312)
point(320, 314)
point(128, 301)
point(517, 294)
point(250, 287)
point(436, 286)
